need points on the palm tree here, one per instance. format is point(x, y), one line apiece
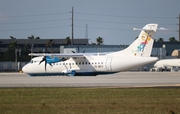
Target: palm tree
point(13, 44)
point(99, 41)
point(32, 45)
point(32, 37)
point(160, 40)
point(25, 49)
point(49, 43)
point(10, 53)
point(12, 37)
point(172, 39)
point(68, 40)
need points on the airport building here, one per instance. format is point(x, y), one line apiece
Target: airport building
point(167, 48)
point(80, 45)
point(162, 50)
point(39, 45)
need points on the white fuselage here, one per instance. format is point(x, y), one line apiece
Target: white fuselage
point(136, 54)
point(96, 64)
point(167, 63)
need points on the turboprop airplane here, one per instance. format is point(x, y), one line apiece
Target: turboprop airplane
point(137, 54)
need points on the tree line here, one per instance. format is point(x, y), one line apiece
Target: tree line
point(21, 52)
point(171, 39)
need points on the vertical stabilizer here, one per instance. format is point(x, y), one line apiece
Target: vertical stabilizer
point(142, 46)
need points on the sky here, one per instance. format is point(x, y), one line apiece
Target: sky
point(113, 20)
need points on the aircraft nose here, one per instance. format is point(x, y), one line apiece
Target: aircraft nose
point(24, 69)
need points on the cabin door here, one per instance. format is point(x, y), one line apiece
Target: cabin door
point(108, 64)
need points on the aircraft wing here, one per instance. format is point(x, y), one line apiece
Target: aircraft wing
point(67, 54)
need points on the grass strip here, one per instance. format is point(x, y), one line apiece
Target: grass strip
point(89, 100)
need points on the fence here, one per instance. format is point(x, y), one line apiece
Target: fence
point(11, 66)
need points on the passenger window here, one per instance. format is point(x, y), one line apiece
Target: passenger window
point(82, 63)
point(79, 63)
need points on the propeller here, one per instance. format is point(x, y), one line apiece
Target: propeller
point(49, 60)
point(45, 60)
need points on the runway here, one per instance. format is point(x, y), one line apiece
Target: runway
point(122, 79)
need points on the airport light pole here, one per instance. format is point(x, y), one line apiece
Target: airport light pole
point(16, 59)
point(32, 45)
point(16, 63)
point(72, 42)
point(164, 47)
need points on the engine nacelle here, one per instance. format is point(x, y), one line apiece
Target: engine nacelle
point(54, 59)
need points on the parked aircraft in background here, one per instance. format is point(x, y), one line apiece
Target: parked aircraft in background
point(166, 64)
point(137, 54)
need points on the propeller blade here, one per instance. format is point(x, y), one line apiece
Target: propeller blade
point(73, 51)
point(41, 61)
point(50, 64)
point(44, 58)
point(45, 64)
point(84, 51)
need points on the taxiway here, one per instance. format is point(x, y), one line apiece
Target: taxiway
point(122, 79)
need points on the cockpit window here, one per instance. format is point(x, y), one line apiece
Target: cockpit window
point(31, 61)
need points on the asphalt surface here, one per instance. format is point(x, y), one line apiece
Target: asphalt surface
point(122, 79)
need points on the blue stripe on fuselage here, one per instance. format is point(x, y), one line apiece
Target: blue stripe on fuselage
point(65, 74)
